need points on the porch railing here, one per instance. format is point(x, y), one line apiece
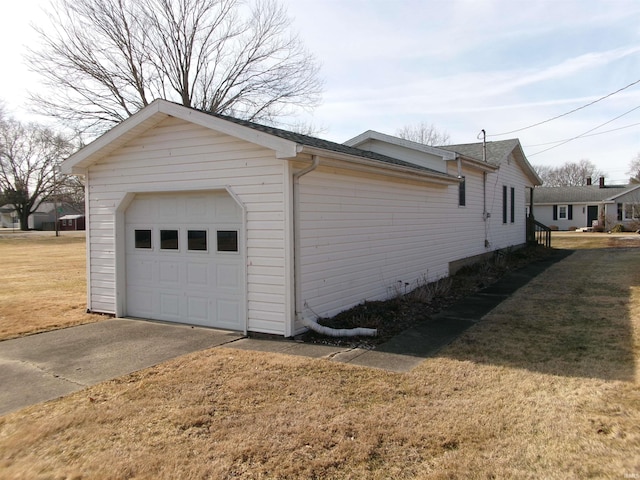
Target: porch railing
point(538, 233)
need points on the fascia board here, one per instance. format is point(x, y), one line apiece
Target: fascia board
point(473, 163)
point(353, 162)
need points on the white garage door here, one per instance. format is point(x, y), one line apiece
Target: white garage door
point(184, 259)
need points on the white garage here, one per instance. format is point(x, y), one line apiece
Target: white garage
point(205, 219)
point(184, 259)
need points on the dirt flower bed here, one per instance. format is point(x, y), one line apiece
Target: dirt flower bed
point(412, 306)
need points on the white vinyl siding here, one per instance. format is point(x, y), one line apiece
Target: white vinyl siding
point(362, 236)
point(180, 156)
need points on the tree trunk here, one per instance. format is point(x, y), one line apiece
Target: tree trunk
point(24, 220)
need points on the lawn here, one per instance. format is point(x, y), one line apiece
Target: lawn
point(43, 283)
point(546, 386)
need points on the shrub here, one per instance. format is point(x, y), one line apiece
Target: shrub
point(554, 227)
point(619, 228)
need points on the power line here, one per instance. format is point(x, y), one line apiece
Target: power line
point(567, 113)
point(583, 136)
point(585, 133)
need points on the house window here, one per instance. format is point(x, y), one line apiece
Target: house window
point(143, 238)
point(513, 205)
point(227, 240)
point(632, 211)
point(197, 240)
point(169, 239)
point(504, 204)
point(562, 212)
point(462, 192)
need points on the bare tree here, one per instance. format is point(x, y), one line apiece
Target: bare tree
point(570, 174)
point(29, 156)
point(423, 133)
point(634, 169)
point(103, 60)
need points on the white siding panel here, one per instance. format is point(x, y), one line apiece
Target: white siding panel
point(363, 237)
point(177, 155)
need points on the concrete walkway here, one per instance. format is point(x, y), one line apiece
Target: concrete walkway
point(48, 365)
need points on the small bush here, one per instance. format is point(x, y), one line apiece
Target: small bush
point(573, 229)
point(554, 227)
point(617, 229)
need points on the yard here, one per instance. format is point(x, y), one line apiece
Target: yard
point(545, 387)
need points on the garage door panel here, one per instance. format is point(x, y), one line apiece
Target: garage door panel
point(228, 313)
point(198, 274)
point(169, 306)
point(169, 272)
point(227, 277)
point(198, 310)
point(193, 283)
point(141, 302)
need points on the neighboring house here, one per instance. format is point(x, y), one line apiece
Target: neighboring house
point(8, 217)
point(601, 205)
point(205, 219)
point(43, 218)
point(71, 222)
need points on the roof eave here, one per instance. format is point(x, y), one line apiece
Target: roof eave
point(475, 163)
point(399, 171)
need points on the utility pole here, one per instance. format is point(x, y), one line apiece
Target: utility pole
point(55, 198)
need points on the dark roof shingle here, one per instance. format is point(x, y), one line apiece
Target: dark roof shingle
point(314, 142)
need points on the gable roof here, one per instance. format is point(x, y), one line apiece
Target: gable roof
point(580, 194)
point(497, 153)
point(286, 144)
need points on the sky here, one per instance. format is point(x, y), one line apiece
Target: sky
point(461, 65)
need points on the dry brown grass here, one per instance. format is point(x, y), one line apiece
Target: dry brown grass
point(43, 283)
point(583, 240)
point(545, 387)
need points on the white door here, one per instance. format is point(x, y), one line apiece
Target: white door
point(184, 260)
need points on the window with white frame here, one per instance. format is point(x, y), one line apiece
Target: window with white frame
point(562, 212)
point(631, 211)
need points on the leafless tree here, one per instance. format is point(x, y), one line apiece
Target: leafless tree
point(29, 156)
point(424, 133)
point(103, 60)
point(570, 174)
point(634, 169)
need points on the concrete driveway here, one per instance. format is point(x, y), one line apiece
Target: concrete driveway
point(48, 365)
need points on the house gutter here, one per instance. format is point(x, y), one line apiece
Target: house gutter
point(297, 268)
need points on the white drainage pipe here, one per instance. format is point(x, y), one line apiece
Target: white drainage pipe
point(339, 332)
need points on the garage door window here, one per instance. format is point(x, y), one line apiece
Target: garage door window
point(197, 240)
point(143, 238)
point(227, 241)
point(169, 239)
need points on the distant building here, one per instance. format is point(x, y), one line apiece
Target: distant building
point(588, 206)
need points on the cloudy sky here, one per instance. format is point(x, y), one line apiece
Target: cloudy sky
point(464, 66)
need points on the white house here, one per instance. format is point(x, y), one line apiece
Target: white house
point(209, 220)
point(569, 208)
